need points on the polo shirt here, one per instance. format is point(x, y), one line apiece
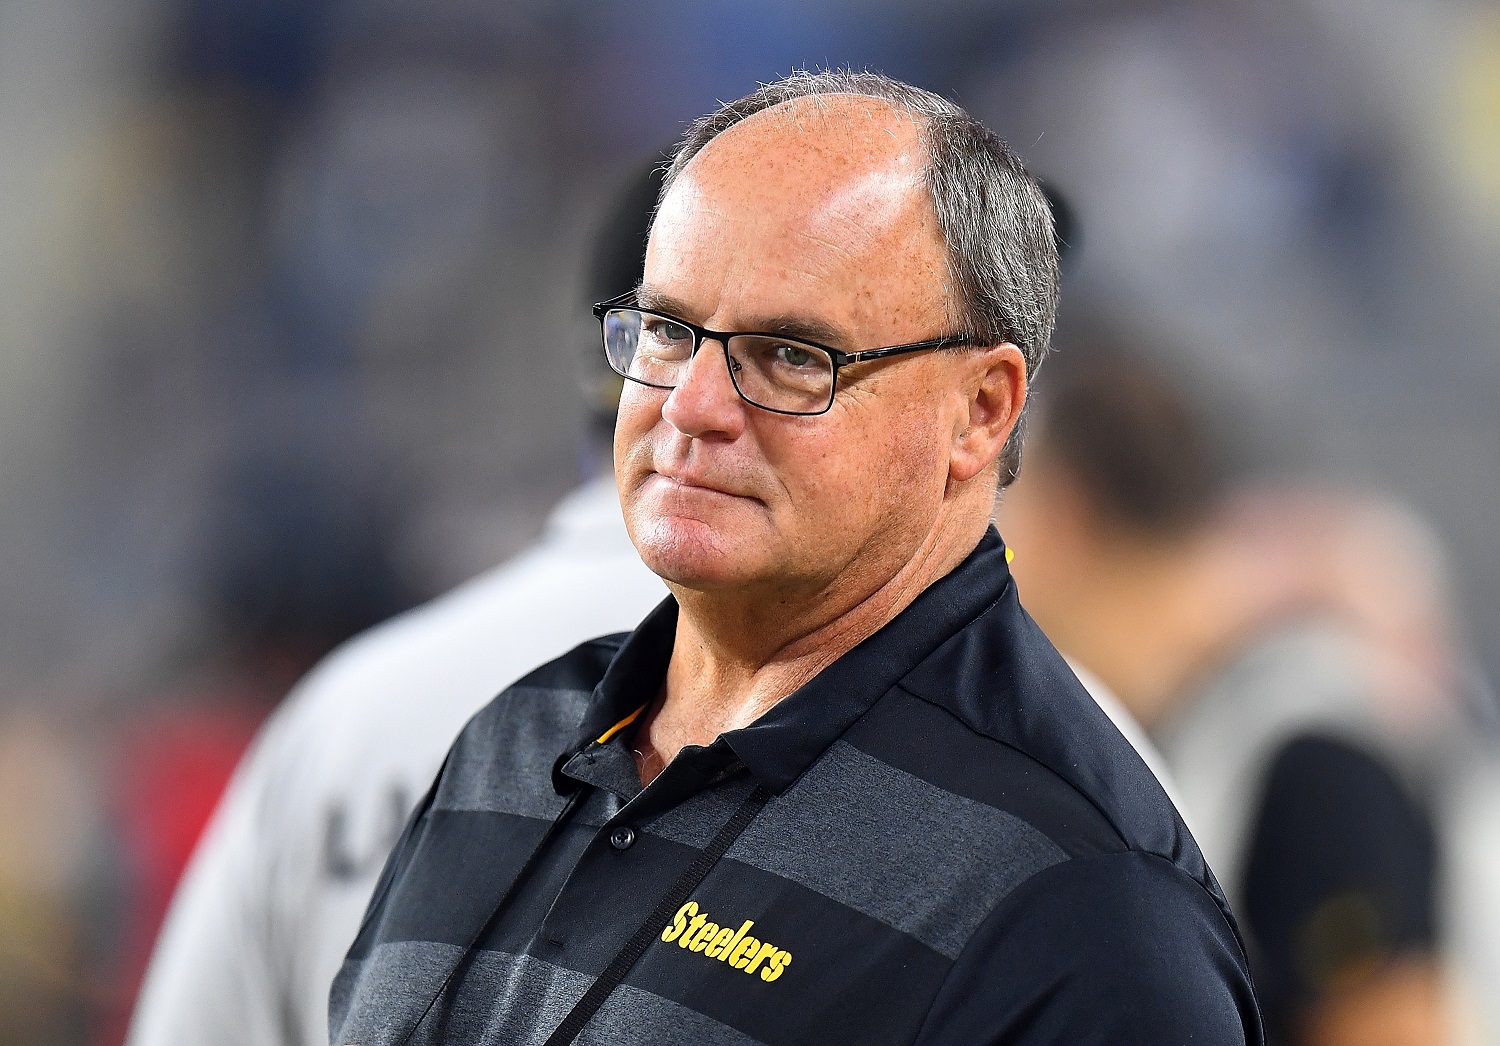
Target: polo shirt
point(940, 839)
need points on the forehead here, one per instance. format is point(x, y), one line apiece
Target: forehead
point(821, 135)
point(819, 203)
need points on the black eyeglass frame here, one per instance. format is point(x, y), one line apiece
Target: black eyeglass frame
point(840, 359)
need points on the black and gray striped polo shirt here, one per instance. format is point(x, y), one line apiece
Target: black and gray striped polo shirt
point(939, 840)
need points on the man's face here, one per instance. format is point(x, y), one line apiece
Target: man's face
point(812, 220)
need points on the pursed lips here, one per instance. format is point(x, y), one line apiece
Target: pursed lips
point(685, 482)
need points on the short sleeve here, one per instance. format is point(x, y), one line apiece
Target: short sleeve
point(1118, 949)
point(1341, 874)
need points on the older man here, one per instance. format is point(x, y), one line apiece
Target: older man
point(839, 788)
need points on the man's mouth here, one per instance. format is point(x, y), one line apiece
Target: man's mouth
point(688, 481)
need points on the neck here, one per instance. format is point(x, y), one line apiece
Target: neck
point(735, 656)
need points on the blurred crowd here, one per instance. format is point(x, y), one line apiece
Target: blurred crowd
point(295, 336)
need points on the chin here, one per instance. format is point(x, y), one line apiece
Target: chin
point(693, 554)
point(696, 538)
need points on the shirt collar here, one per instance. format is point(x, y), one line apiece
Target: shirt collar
point(630, 683)
point(788, 738)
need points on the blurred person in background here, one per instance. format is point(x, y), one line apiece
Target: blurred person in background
point(275, 892)
point(49, 824)
point(1288, 652)
point(284, 277)
point(300, 559)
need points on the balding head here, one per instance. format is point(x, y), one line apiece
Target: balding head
point(995, 221)
point(836, 152)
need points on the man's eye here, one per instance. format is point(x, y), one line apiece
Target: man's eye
point(794, 355)
point(666, 330)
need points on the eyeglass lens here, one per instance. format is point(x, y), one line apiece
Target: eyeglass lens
point(775, 373)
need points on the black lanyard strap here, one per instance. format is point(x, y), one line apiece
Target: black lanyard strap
point(505, 899)
point(634, 948)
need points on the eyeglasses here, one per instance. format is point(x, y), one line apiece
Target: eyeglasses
point(782, 375)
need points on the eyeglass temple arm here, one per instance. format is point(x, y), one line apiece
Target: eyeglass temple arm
point(898, 350)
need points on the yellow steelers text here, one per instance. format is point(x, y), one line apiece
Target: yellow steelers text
point(697, 932)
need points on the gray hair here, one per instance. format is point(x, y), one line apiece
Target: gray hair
point(995, 220)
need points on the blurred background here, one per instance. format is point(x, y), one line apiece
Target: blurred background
point(293, 328)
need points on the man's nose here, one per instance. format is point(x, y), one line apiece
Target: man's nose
point(705, 402)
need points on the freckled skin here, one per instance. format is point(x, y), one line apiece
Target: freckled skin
point(787, 539)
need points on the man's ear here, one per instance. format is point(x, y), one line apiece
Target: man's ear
point(996, 392)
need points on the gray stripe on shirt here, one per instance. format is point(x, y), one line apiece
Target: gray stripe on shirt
point(919, 858)
point(503, 760)
point(515, 1000)
point(387, 989)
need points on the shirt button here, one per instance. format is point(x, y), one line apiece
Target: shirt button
point(622, 838)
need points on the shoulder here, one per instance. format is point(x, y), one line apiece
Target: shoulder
point(443, 660)
point(929, 742)
point(385, 706)
point(392, 700)
point(1128, 726)
point(1115, 948)
point(467, 644)
point(997, 715)
point(1130, 918)
point(333, 774)
point(999, 692)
